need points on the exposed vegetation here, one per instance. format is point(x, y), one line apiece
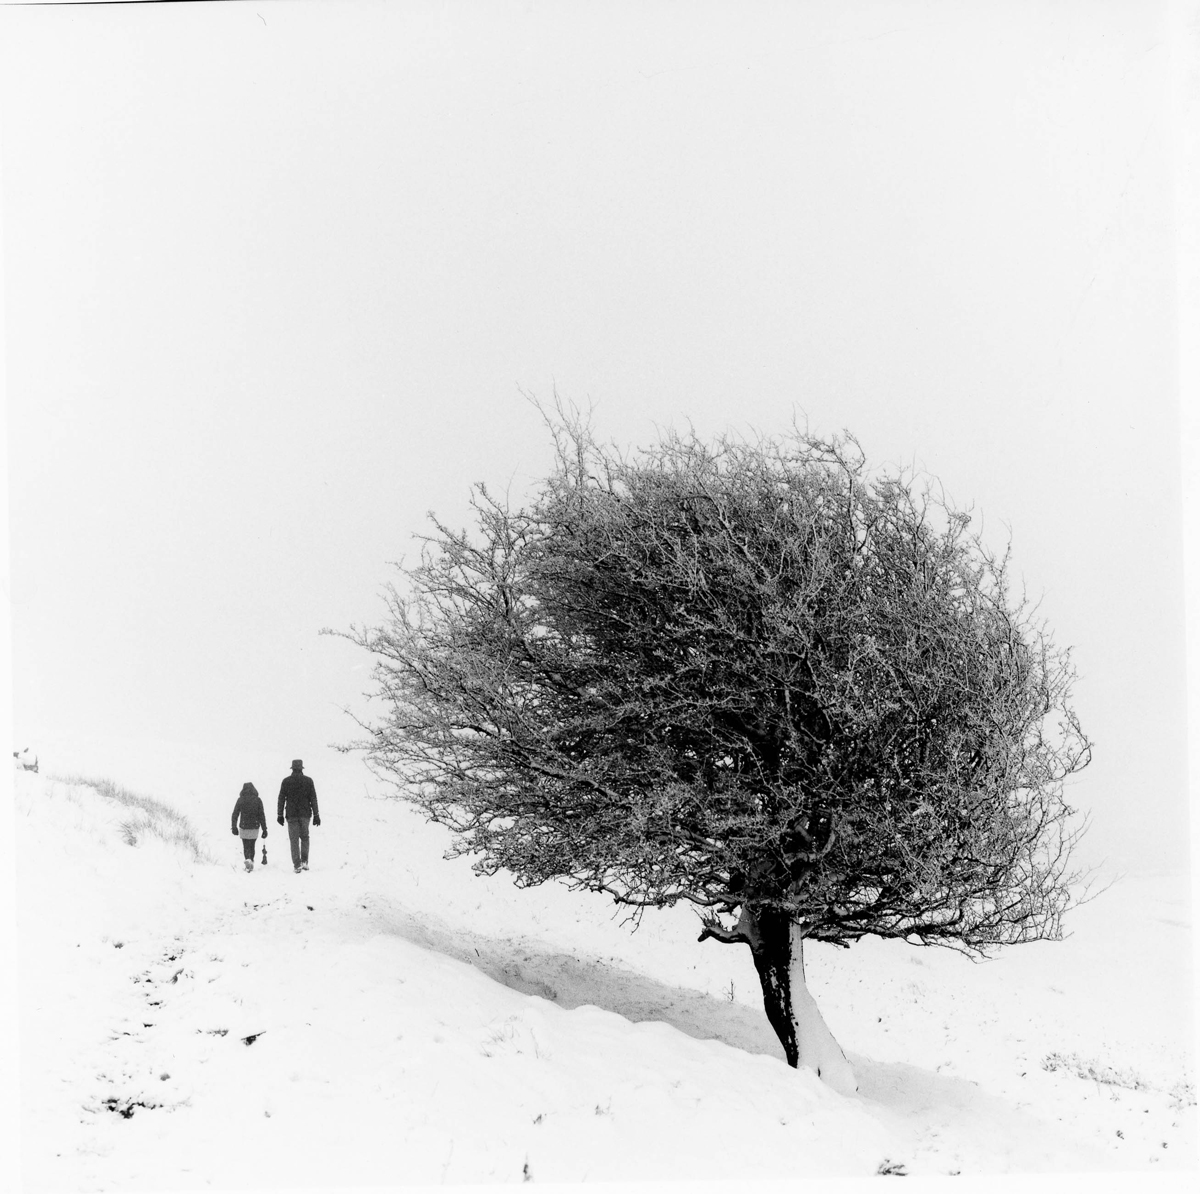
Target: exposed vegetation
point(148, 818)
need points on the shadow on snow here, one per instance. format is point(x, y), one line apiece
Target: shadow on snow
point(571, 982)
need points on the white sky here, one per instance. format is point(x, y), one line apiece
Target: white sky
point(275, 274)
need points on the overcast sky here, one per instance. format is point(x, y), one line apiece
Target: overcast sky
point(276, 276)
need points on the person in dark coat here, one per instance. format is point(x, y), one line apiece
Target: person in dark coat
point(297, 805)
point(249, 817)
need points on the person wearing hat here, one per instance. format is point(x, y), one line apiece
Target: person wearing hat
point(249, 817)
point(297, 804)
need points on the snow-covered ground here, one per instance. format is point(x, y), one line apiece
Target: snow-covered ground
point(389, 1018)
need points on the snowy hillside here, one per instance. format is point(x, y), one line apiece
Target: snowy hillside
point(388, 1018)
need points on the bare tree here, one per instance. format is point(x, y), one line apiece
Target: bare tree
point(751, 676)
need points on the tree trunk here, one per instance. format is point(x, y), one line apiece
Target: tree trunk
point(777, 945)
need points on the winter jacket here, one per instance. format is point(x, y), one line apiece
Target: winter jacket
point(297, 797)
point(249, 811)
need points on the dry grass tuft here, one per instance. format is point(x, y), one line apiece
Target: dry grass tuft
point(149, 818)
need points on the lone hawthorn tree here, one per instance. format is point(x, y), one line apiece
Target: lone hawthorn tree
point(746, 675)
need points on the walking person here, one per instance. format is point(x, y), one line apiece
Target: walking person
point(249, 817)
point(297, 804)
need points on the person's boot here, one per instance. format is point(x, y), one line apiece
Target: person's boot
point(249, 865)
point(296, 870)
point(304, 866)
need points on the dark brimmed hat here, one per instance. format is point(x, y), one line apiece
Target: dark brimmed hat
point(297, 765)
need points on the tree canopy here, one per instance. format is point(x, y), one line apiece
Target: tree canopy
point(752, 675)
